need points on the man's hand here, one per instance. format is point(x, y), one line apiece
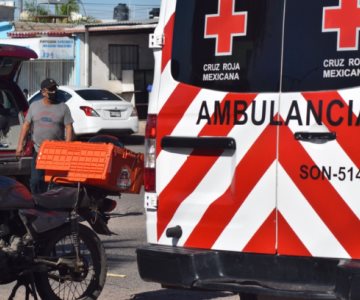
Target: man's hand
point(23, 133)
point(19, 151)
point(69, 132)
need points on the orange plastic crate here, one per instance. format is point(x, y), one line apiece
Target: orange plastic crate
point(98, 164)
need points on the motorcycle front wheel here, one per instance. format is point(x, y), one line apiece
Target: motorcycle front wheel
point(67, 283)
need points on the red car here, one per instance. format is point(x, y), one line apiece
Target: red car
point(13, 107)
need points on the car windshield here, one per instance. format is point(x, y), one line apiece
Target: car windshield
point(98, 95)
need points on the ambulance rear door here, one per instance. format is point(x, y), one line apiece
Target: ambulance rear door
point(217, 127)
point(319, 148)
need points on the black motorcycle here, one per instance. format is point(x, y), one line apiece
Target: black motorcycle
point(45, 247)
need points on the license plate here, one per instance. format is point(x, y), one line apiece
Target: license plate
point(115, 113)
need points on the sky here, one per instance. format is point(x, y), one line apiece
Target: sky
point(104, 9)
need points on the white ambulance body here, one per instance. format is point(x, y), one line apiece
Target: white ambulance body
point(253, 148)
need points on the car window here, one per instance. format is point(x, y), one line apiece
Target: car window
point(244, 56)
point(98, 95)
point(62, 96)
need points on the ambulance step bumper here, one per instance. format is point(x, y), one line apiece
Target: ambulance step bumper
point(289, 276)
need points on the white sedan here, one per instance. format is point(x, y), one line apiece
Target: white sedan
point(96, 111)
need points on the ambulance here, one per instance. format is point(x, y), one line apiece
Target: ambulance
point(252, 169)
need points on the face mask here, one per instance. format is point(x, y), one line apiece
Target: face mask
point(52, 97)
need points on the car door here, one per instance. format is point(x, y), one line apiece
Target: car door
point(217, 124)
point(318, 173)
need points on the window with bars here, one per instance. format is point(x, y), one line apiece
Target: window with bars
point(122, 57)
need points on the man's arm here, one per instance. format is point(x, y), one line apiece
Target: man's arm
point(23, 134)
point(69, 132)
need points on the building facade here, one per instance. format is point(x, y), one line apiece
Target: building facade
point(113, 56)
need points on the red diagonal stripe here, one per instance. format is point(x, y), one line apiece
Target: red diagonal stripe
point(167, 48)
point(321, 195)
point(248, 173)
point(264, 240)
point(345, 134)
point(174, 109)
point(181, 186)
point(288, 242)
point(196, 165)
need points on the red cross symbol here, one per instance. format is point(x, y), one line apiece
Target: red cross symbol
point(345, 20)
point(225, 25)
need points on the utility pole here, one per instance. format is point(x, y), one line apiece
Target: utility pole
point(130, 10)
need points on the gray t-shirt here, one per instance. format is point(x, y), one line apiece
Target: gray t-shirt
point(48, 121)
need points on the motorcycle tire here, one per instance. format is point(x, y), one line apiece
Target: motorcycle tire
point(55, 284)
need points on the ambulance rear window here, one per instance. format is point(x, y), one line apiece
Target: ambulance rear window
point(321, 45)
point(226, 45)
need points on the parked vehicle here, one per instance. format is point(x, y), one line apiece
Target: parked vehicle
point(44, 247)
point(252, 147)
point(97, 111)
point(13, 106)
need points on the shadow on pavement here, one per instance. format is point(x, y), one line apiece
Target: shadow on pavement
point(172, 294)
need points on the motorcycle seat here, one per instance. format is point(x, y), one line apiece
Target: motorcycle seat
point(14, 195)
point(59, 198)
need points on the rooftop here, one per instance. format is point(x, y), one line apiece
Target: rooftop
point(34, 29)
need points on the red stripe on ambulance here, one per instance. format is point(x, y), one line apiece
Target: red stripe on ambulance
point(247, 175)
point(174, 109)
point(264, 237)
point(344, 133)
point(167, 49)
point(203, 164)
point(290, 242)
point(330, 207)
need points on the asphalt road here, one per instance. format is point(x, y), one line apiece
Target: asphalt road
point(123, 281)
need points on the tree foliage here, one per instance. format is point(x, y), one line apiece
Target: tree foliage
point(68, 8)
point(33, 9)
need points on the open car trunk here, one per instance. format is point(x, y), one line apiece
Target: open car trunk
point(11, 119)
point(13, 106)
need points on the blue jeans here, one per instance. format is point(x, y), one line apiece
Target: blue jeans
point(37, 181)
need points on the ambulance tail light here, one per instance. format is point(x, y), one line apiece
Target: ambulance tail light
point(150, 154)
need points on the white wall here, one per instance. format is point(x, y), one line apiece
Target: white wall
point(99, 48)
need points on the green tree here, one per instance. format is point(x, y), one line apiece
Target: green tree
point(33, 9)
point(68, 8)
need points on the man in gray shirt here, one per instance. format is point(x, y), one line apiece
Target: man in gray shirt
point(48, 120)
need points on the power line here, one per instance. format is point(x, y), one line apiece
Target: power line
point(131, 5)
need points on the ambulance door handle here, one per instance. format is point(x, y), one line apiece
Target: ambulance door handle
point(202, 143)
point(315, 137)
